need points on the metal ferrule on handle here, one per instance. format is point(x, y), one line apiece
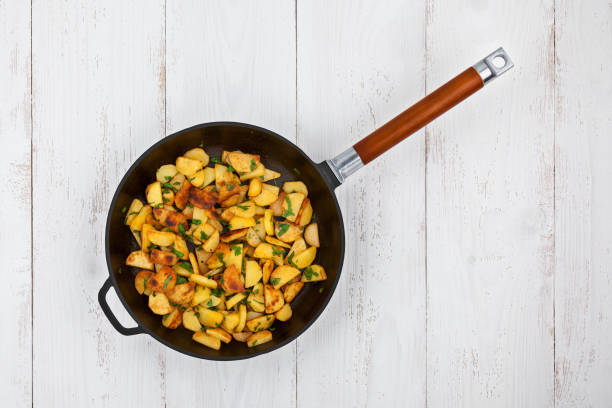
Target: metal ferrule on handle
point(420, 114)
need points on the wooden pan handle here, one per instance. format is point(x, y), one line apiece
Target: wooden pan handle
point(419, 115)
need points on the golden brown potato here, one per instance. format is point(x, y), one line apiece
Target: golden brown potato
point(140, 281)
point(299, 245)
point(217, 259)
point(212, 243)
point(252, 274)
point(241, 336)
point(230, 321)
point(144, 236)
point(258, 172)
point(200, 295)
point(282, 275)
point(197, 154)
point(287, 232)
point(188, 166)
point(254, 187)
point(292, 205)
point(180, 248)
point(305, 214)
point(240, 223)
point(227, 214)
point(295, 187)
point(284, 313)
point(163, 257)
point(266, 269)
point(242, 313)
point(311, 234)
point(263, 250)
point(260, 323)
point(139, 219)
point(165, 173)
point(173, 319)
point(204, 281)
point(261, 337)
point(234, 300)
point(182, 293)
point(219, 334)
point(270, 175)
point(163, 280)
point(273, 298)
point(277, 242)
point(161, 238)
point(182, 196)
point(171, 219)
point(268, 195)
point(231, 280)
point(139, 259)
point(291, 290)
point(256, 300)
point(207, 340)
point(191, 321)
point(133, 211)
point(205, 198)
point(242, 162)
point(210, 318)
point(277, 206)
point(244, 210)
point(159, 303)
point(234, 256)
point(304, 258)
point(252, 237)
point(154, 195)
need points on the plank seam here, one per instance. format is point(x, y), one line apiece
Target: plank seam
point(426, 131)
point(554, 228)
point(31, 212)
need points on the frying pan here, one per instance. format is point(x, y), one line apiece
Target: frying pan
point(281, 155)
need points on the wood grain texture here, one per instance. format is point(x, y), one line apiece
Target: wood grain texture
point(98, 103)
point(359, 64)
point(15, 172)
point(231, 61)
point(583, 284)
point(490, 181)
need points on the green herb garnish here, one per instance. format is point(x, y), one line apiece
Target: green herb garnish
point(321, 289)
point(180, 280)
point(209, 303)
point(253, 164)
point(290, 259)
point(186, 265)
point(167, 281)
point(230, 168)
point(220, 258)
point(123, 210)
point(289, 209)
point(296, 171)
point(203, 236)
point(276, 251)
point(282, 228)
point(215, 160)
point(230, 187)
point(274, 281)
point(237, 249)
point(169, 186)
point(177, 253)
point(308, 273)
point(243, 207)
point(196, 222)
point(201, 144)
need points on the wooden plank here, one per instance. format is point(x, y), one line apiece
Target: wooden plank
point(583, 305)
point(98, 103)
point(360, 64)
point(231, 61)
point(15, 171)
point(490, 180)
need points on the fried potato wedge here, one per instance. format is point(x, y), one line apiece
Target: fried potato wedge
point(207, 340)
point(159, 303)
point(273, 298)
point(258, 338)
point(291, 290)
point(139, 259)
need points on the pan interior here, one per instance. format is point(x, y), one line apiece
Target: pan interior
point(277, 154)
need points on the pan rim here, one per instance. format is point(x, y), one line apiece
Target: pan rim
point(143, 327)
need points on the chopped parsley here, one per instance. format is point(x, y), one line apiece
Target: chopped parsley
point(216, 292)
point(167, 281)
point(290, 259)
point(256, 291)
point(119, 271)
point(296, 171)
point(166, 316)
point(253, 164)
point(272, 328)
point(309, 273)
point(209, 303)
point(201, 144)
point(177, 253)
point(220, 258)
point(160, 205)
point(196, 222)
point(189, 205)
point(274, 281)
point(230, 187)
point(255, 342)
point(181, 229)
point(321, 289)
point(147, 279)
point(186, 265)
point(223, 222)
point(276, 251)
point(237, 249)
point(243, 207)
point(230, 168)
point(289, 209)
point(215, 160)
point(123, 210)
point(169, 186)
point(180, 280)
point(168, 178)
point(203, 235)
point(282, 228)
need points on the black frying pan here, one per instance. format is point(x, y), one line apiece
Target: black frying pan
point(283, 156)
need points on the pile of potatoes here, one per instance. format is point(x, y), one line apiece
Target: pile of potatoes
point(223, 252)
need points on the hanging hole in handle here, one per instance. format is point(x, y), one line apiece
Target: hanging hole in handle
point(499, 61)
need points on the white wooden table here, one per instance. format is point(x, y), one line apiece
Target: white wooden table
point(479, 252)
